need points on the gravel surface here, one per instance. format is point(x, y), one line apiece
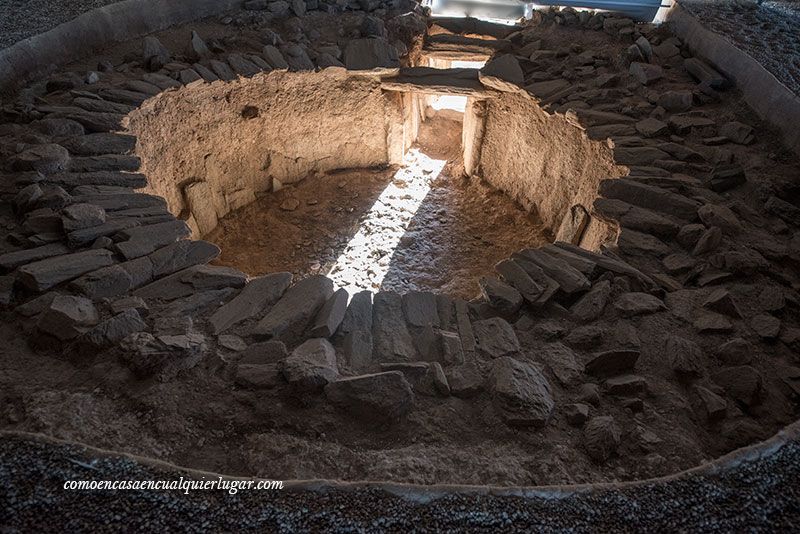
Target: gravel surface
point(20, 19)
point(759, 495)
point(770, 33)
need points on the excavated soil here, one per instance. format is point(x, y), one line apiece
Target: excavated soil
point(459, 231)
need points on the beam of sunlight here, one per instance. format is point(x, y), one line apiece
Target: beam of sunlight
point(365, 261)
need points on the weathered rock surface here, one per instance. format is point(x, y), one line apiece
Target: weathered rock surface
point(67, 317)
point(495, 338)
point(311, 366)
point(380, 396)
point(293, 313)
point(601, 437)
point(520, 393)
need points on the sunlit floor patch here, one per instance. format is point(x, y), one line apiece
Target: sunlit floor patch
point(365, 261)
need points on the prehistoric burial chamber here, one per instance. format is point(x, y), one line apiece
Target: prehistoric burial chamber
point(210, 150)
point(658, 332)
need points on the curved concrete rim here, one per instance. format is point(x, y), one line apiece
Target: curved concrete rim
point(768, 96)
point(424, 493)
point(38, 55)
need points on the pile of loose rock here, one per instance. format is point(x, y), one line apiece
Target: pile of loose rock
point(697, 300)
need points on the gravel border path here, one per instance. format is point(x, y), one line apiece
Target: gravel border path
point(770, 32)
point(25, 18)
point(755, 496)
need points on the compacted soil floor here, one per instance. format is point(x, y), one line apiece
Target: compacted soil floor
point(412, 228)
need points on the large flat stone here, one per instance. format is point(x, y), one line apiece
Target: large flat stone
point(44, 274)
point(291, 316)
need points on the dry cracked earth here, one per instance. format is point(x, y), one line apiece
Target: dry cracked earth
point(675, 343)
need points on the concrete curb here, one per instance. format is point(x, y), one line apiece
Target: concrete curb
point(773, 101)
point(96, 29)
point(422, 493)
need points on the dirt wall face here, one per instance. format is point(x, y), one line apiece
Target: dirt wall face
point(209, 148)
point(546, 163)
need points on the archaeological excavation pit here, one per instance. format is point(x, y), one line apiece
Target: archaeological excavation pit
point(503, 255)
point(365, 180)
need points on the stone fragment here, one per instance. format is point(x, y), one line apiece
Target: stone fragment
point(106, 282)
point(726, 177)
point(420, 309)
point(11, 260)
point(576, 414)
point(370, 53)
point(675, 101)
point(590, 306)
point(765, 325)
point(737, 351)
point(165, 355)
point(737, 132)
point(633, 304)
point(46, 159)
point(520, 393)
point(712, 405)
point(465, 380)
point(274, 57)
point(651, 127)
point(292, 314)
point(311, 366)
point(271, 352)
point(374, 397)
point(569, 279)
point(742, 383)
point(257, 295)
point(601, 437)
point(331, 315)
point(626, 386)
point(198, 49)
point(562, 362)
point(645, 73)
point(222, 70)
point(44, 274)
point(503, 73)
point(392, 340)
point(684, 356)
point(495, 338)
point(67, 317)
point(708, 242)
point(720, 216)
point(356, 329)
point(116, 328)
point(705, 74)
point(80, 216)
point(720, 300)
point(515, 275)
point(712, 323)
point(257, 376)
point(650, 197)
point(612, 362)
point(439, 379)
point(501, 296)
point(127, 303)
point(155, 54)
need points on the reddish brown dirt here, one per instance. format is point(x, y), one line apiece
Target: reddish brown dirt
point(461, 229)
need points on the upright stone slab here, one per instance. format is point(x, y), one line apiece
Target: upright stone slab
point(257, 295)
point(356, 329)
point(331, 315)
point(392, 340)
point(289, 319)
